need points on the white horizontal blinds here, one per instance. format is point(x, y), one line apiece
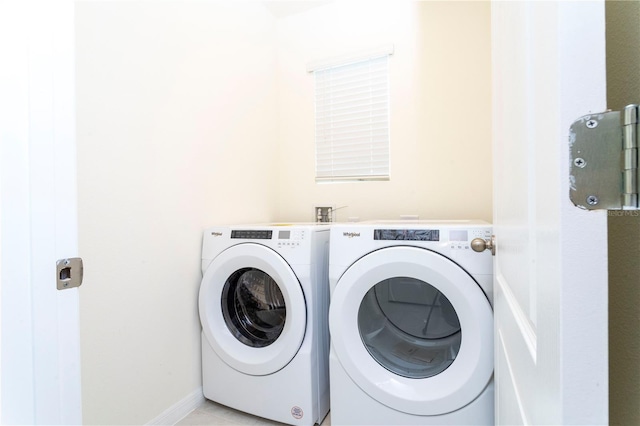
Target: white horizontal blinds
point(352, 121)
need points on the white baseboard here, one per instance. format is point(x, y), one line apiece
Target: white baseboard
point(180, 410)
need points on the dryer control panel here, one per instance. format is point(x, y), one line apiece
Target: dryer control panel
point(460, 239)
point(406, 234)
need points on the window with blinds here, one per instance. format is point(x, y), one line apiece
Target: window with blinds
point(352, 121)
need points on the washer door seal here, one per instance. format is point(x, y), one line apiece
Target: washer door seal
point(457, 385)
point(257, 361)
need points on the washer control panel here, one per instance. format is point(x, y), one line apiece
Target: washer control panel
point(280, 237)
point(290, 237)
point(251, 234)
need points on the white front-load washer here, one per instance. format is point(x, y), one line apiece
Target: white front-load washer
point(411, 324)
point(263, 304)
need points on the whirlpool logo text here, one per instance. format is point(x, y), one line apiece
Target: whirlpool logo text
point(351, 234)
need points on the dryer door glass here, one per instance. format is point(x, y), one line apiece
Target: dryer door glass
point(409, 327)
point(253, 307)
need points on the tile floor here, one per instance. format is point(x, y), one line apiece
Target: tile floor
point(211, 413)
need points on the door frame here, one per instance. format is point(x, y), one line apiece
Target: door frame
point(40, 346)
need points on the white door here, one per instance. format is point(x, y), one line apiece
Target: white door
point(551, 262)
point(40, 352)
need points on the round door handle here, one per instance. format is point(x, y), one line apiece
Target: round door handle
point(480, 245)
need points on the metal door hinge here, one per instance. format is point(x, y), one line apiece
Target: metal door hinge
point(69, 273)
point(604, 160)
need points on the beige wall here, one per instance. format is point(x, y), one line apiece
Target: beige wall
point(623, 88)
point(440, 92)
point(176, 132)
point(196, 113)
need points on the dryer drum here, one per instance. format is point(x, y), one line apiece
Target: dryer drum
point(409, 327)
point(253, 307)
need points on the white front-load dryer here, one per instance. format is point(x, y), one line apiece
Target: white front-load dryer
point(263, 304)
point(411, 324)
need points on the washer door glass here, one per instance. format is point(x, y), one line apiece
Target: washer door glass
point(409, 327)
point(253, 307)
